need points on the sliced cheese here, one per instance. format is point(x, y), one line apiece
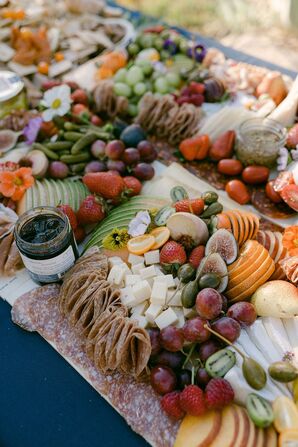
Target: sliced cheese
point(135, 259)
point(130, 280)
point(116, 275)
point(152, 257)
point(140, 309)
point(174, 298)
point(136, 268)
point(148, 272)
point(152, 312)
point(159, 293)
point(141, 291)
point(115, 260)
point(166, 318)
point(140, 319)
point(180, 315)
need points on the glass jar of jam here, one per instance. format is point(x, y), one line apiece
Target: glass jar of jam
point(46, 243)
point(259, 141)
point(12, 93)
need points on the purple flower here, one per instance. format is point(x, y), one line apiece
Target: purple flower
point(197, 52)
point(30, 131)
point(170, 46)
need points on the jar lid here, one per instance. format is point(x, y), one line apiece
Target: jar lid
point(10, 85)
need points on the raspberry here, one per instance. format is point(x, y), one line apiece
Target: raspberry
point(192, 400)
point(218, 393)
point(170, 403)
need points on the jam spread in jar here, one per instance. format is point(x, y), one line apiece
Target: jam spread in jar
point(46, 243)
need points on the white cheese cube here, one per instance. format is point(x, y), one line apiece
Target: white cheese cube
point(179, 312)
point(136, 268)
point(161, 280)
point(158, 271)
point(148, 272)
point(135, 259)
point(141, 291)
point(166, 318)
point(152, 312)
point(140, 319)
point(115, 260)
point(189, 313)
point(140, 308)
point(127, 297)
point(130, 280)
point(152, 257)
point(126, 268)
point(174, 298)
point(159, 293)
point(116, 275)
point(168, 278)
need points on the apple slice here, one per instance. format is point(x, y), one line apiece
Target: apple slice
point(270, 437)
point(234, 223)
point(246, 227)
point(256, 222)
point(260, 441)
point(244, 427)
point(255, 263)
point(198, 431)
point(241, 226)
point(228, 432)
point(261, 237)
point(251, 224)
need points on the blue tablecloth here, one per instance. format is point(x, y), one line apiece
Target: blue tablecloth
point(44, 402)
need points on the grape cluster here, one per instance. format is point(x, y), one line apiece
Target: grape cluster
point(178, 351)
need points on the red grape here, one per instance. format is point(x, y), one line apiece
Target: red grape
point(172, 338)
point(224, 302)
point(58, 169)
point(173, 360)
point(209, 303)
point(208, 348)
point(202, 377)
point(116, 165)
point(143, 171)
point(163, 379)
point(194, 330)
point(154, 334)
point(184, 378)
point(114, 149)
point(98, 149)
point(95, 166)
point(131, 156)
point(147, 151)
point(227, 327)
point(243, 312)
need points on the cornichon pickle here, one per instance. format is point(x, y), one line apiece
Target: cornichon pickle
point(214, 208)
point(209, 280)
point(189, 294)
point(210, 197)
point(77, 168)
point(186, 272)
point(253, 373)
point(50, 154)
point(71, 159)
point(283, 372)
point(83, 142)
point(178, 193)
point(219, 363)
point(72, 136)
point(59, 145)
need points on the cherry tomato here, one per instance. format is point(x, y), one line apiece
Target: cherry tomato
point(230, 166)
point(290, 195)
point(238, 191)
point(43, 68)
point(96, 120)
point(255, 174)
point(271, 193)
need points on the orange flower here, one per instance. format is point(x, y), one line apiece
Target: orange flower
point(290, 240)
point(14, 184)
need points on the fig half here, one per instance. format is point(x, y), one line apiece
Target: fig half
point(224, 243)
point(8, 139)
point(214, 263)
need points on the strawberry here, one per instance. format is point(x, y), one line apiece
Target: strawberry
point(79, 234)
point(108, 185)
point(80, 96)
point(194, 206)
point(192, 400)
point(196, 256)
point(81, 111)
point(218, 393)
point(292, 139)
point(172, 255)
point(133, 186)
point(91, 211)
point(69, 212)
point(170, 403)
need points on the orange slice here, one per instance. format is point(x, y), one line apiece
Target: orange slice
point(256, 226)
point(252, 225)
point(234, 223)
point(248, 250)
point(161, 235)
point(255, 263)
point(246, 227)
point(239, 217)
point(140, 244)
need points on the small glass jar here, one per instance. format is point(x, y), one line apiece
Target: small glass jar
point(12, 93)
point(46, 243)
point(259, 141)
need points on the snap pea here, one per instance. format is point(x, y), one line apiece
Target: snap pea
point(84, 141)
point(50, 154)
point(72, 136)
point(78, 158)
point(63, 153)
point(77, 167)
point(73, 126)
point(59, 145)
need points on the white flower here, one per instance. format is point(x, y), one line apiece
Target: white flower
point(57, 101)
point(139, 224)
point(282, 160)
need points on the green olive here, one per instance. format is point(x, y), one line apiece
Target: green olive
point(209, 280)
point(253, 373)
point(211, 210)
point(186, 272)
point(189, 294)
point(210, 197)
point(283, 372)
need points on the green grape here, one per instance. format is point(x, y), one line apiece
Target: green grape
point(134, 75)
point(146, 40)
point(173, 79)
point(140, 88)
point(122, 89)
point(161, 85)
point(133, 49)
point(158, 43)
point(146, 66)
point(132, 110)
point(120, 75)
